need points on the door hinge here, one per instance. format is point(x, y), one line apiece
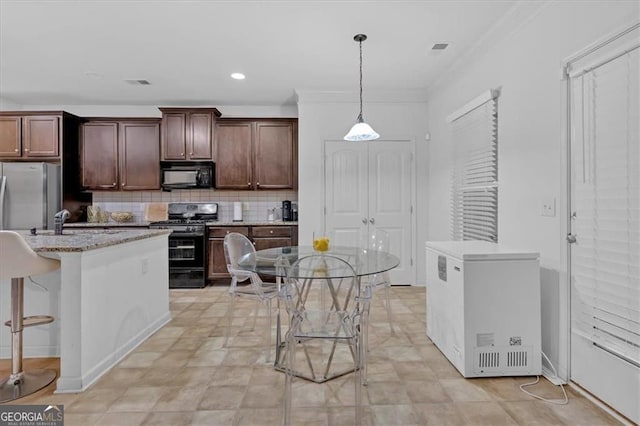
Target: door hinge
point(411, 209)
point(411, 262)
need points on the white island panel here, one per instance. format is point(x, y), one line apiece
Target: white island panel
point(107, 298)
point(120, 295)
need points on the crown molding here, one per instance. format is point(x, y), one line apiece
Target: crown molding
point(521, 13)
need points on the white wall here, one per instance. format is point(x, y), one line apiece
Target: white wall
point(323, 118)
point(7, 105)
point(526, 65)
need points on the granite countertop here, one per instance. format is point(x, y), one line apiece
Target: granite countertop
point(251, 223)
point(106, 224)
point(87, 239)
point(146, 224)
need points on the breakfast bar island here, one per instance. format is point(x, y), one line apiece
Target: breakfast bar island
point(110, 294)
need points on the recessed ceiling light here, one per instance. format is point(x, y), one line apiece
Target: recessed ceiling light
point(238, 76)
point(440, 46)
point(92, 74)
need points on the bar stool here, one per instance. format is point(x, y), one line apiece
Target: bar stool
point(18, 260)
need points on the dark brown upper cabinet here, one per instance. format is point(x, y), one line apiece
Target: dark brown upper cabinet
point(256, 154)
point(30, 136)
point(120, 155)
point(187, 133)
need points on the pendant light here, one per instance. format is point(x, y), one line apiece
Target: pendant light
point(361, 131)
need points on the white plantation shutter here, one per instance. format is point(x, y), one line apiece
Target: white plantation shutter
point(474, 191)
point(606, 201)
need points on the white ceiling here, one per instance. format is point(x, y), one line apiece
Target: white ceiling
point(75, 52)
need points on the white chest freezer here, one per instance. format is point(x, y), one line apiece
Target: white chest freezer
point(483, 307)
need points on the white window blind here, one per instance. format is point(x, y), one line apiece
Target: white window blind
point(474, 191)
point(606, 201)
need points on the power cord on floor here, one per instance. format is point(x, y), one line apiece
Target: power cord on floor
point(564, 401)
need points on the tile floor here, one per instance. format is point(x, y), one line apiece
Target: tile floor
point(183, 375)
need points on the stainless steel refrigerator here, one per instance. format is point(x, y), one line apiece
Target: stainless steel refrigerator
point(30, 194)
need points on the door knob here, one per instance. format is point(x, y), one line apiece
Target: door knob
point(372, 221)
point(364, 220)
point(571, 238)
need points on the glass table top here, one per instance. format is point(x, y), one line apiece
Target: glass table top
point(277, 261)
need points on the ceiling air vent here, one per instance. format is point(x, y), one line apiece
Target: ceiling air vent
point(439, 46)
point(140, 82)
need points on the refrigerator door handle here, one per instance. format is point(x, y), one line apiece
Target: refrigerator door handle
point(3, 184)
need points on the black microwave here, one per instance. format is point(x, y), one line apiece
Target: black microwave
point(187, 174)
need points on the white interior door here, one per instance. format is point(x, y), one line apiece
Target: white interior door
point(390, 202)
point(604, 261)
point(346, 191)
point(370, 185)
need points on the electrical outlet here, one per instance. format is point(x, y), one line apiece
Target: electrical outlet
point(145, 265)
point(548, 207)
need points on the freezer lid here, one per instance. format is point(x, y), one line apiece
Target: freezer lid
point(480, 250)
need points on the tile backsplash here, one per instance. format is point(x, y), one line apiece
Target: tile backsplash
point(255, 203)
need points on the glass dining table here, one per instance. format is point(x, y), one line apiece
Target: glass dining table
point(277, 262)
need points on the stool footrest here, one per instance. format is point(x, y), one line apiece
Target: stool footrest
point(33, 320)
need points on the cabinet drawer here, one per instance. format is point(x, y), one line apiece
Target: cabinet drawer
point(270, 231)
point(220, 232)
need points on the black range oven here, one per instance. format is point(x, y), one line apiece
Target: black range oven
point(187, 243)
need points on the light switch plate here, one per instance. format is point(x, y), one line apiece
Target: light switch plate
point(548, 207)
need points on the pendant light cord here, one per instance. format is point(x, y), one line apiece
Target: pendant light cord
point(360, 119)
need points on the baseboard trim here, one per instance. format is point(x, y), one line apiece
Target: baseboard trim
point(601, 404)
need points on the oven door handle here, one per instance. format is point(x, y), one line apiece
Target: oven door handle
point(175, 235)
point(183, 247)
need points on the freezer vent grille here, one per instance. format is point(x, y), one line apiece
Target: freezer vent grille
point(517, 359)
point(488, 359)
point(502, 360)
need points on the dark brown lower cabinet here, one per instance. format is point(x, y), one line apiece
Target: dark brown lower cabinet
point(263, 237)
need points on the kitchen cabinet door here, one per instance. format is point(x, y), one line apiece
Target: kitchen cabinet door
point(40, 136)
point(30, 136)
point(256, 154)
point(139, 156)
point(120, 155)
point(187, 133)
point(233, 155)
point(200, 141)
point(265, 237)
point(99, 150)
point(216, 262)
point(174, 135)
point(274, 160)
point(10, 137)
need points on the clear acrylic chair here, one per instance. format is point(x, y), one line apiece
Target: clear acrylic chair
point(325, 301)
point(236, 248)
point(378, 240)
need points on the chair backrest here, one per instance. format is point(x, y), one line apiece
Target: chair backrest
point(18, 260)
point(378, 240)
point(236, 247)
point(323, 283)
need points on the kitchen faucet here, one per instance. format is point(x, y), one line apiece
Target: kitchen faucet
point(58, 221)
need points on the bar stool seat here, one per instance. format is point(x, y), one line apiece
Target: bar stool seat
point(18, 260)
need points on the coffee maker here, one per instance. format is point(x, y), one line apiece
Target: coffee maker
point(287, 212)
